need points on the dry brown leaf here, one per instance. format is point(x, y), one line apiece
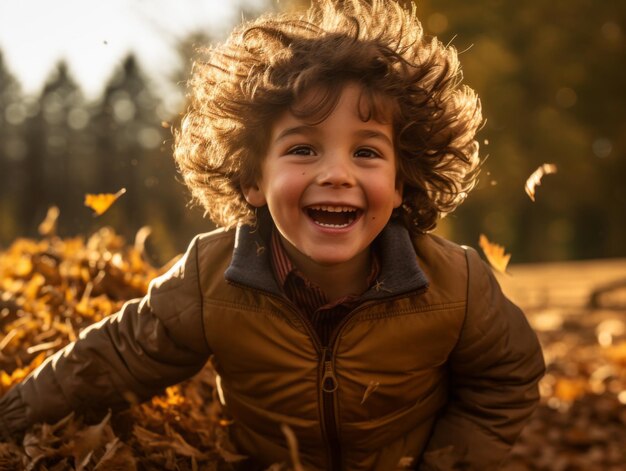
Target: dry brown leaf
point(148, 438)
point(180, 445)
point(117, 456)
point(48, 226)
point(88, 440)
point(534, 179)
point(10, 456)
point(101, 202)
point(443, 459)
point(371, 387)
point(494, 253)
point(226, 449)
point(292, 443)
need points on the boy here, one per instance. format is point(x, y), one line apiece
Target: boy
point(333, 142)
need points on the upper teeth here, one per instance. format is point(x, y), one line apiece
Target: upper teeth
point(334, 209)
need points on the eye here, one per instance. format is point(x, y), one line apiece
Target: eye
point(367, 153)
point(301, 150)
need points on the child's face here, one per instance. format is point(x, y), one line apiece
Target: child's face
point(331, 187)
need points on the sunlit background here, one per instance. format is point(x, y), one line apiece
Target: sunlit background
point(88, 91)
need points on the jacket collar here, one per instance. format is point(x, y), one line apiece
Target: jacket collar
point(399, 273)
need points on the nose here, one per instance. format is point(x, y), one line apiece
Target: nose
point(336, 171)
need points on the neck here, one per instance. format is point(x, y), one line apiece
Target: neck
point(335, 280)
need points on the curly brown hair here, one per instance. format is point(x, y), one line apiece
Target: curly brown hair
point(267, 65)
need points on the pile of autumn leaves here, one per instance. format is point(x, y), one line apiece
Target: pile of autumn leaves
point(49, 291)
point(53, 288)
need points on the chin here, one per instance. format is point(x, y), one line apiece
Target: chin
point(327, 259)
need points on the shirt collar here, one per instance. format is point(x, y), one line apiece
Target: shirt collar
point(399, 272)
point(283, 267)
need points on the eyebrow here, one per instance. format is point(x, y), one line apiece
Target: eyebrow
point(302, 129)
point(307, 129)
point(370, 133)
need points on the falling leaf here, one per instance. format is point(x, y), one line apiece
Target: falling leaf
point(494, 253)
point(102, 201)
point(140, 239)
point(49, 225)
point(406, 462)
point(292, 443)
point(371, 387)
point(535, 178)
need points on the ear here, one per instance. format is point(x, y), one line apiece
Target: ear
point(398, 196)
point(254, 195)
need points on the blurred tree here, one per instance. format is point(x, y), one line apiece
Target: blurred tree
point(12, 152)
point(63, 147)
point(127, 125)
point(550, 75)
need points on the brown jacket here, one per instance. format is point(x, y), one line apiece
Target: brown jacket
point(446, 360)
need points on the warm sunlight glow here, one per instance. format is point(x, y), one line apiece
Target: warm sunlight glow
point(94, 36)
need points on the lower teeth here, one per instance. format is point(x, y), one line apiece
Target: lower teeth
point(330, 225)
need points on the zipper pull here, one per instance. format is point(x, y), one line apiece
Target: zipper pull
point(329, 381)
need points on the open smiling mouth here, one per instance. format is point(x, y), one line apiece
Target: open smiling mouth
point(333, 216)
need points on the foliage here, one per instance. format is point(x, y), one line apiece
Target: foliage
point(550, 76)
point(53, 288)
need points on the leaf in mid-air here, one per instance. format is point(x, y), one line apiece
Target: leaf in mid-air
point(535, 178)
point(371, 387)
point(49, 225)
point(494, 253)
point(102, 201)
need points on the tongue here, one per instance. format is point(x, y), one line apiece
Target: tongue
point(327, 217)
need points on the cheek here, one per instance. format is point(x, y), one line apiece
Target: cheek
point(286, 189)
point(385, 193)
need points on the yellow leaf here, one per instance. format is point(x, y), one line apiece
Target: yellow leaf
point(569, 389)
point(617, 353)
point(102, 201)
point(494, 253)
point(49, 225)
point(535, 178)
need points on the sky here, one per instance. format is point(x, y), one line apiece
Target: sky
point(94, 37)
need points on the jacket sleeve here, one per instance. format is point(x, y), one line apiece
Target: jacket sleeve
point(494, 371)
point(127, 357)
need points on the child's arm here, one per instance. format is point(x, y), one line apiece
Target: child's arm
point(127, 357)
point(494, 371)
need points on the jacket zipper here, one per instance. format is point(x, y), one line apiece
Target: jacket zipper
point(328, 382)
point(329, 385)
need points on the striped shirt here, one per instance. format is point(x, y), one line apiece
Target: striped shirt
point(308, 297)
